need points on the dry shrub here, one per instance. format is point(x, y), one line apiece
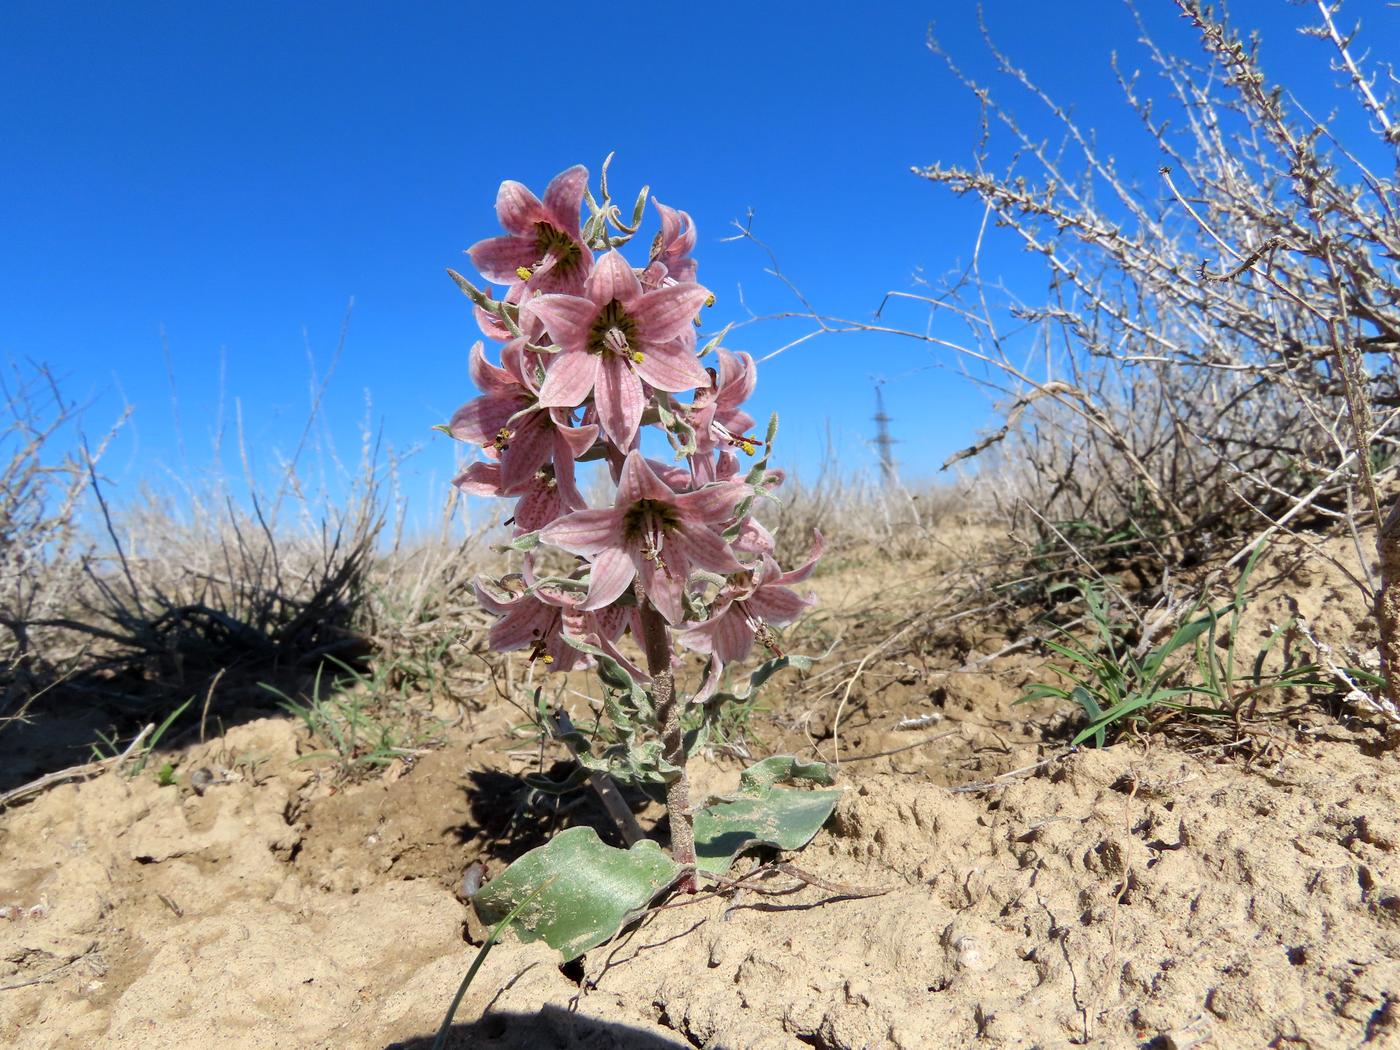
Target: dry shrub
point(215, 589)
point(861, 518)
point(1214, 358)
point(183, 595)
point(1184, 384)
point(1199, 343)
point(45, 470)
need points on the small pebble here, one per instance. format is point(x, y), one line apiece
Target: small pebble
point(471, 880)
point(201, 779)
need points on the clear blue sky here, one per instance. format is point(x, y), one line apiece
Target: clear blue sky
point(235, 173)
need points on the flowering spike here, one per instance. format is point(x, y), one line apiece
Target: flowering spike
point(593, 350)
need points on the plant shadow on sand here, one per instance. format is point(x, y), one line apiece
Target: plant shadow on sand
point(510, 818)
point(551, 1027)
point(99, 711)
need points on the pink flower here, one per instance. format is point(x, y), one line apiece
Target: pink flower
point(670, 252)
point(543, 496)
point(543, 247)
point(715, 411)
point(494, 328)
point(651, 532)
point(533, 618)
point(614, 336)
point(746, 607)
point(511, 425)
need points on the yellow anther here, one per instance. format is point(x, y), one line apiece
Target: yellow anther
point(747, 446)
point(711, 300)
point(524, 272)
point(547, 658)
point(638, 357)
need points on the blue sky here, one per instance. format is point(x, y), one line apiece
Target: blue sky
point(233, 175)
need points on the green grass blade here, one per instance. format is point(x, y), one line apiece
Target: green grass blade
point(441, 1040)
point(1094, 711)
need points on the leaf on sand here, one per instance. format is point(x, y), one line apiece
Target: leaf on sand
point(596, 890)
point(761, 814)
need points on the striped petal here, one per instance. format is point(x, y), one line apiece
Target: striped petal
point(611, 573)
point(563, 199)
point(667, 312)
point(529, 446)
point(778, 604)
point(670, 367)
point(702, 547)
point(713, 503)
point(664, 587)
point(570, 379)
point(518, 209)
point(638, 481)
point(498, 257)
point(612, 278)
point(568, 318)
point(620, 399)
point(586, 532)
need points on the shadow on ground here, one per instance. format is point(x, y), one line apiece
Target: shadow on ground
point(550, 1029)
point(509, 816)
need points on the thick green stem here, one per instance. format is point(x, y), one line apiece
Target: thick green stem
point(656, 643)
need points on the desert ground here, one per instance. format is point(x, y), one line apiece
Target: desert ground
point(981, 883)
point(1107, 687)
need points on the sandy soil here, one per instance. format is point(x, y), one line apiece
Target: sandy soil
point(1162, 896)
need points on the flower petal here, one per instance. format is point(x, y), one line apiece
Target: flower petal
point(778, 604)
point(488, 601)
point(663, 588)
point(571, 376)
point(518, 209)
point(701, 547)
point(481, 419)
point(726, 635)
point(586, 532)
point(498, 257)
point(620, 400)
point(612, 278)
point(753, 538)
point(612, 572)
point(569, 318)
point(488, 378)
point(676, 242)
point(738, 375)
point(638, 481)
point(480, 479)
point(563, 199)
point(804, 570)
point(537, 507)
point(578, 439)
point(527, 622)
point(667, 312)
point(608, 624)
point(669, 367)
point(713, 503)
point(529, 446)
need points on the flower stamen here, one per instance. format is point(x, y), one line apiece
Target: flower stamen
point(615, 340)
point(760, 630)
point(613, 332)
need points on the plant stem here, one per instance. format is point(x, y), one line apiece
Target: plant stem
point(656, 642)
point(561, 726)
point(1355, 386)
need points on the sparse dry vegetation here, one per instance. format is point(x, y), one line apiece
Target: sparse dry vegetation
point(1179, 539)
